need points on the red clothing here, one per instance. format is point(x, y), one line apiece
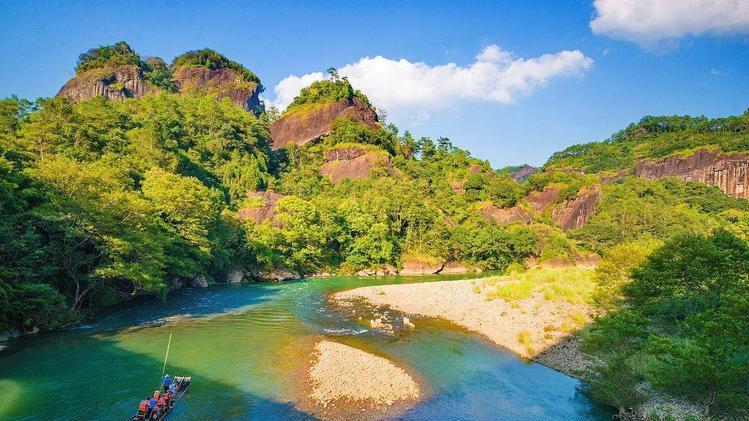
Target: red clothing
point(143, 405)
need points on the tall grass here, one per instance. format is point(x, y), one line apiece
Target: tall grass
point(572, 284)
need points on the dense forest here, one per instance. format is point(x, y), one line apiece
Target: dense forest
point(104, 200)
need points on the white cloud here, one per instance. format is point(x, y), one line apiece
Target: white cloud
point(416, 88)
point(650, 23)
point(289, 87)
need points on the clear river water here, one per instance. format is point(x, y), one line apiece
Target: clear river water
point(244, 345)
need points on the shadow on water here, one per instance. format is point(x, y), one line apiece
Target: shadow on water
point(185, 303)
point(108, 383)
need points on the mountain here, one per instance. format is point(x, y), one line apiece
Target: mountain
point(311, 115)
point(163, 186)
point(118, 72)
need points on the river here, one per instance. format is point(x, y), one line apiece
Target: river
point(244, 345)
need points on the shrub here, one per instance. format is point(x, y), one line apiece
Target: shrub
point(214, 60)
point(117, 54)
point(323, 91)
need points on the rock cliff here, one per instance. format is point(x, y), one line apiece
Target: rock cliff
point(505, 215)
point(354, 163)
point(303, 126)
point(114, 83)
point(263, 210)
point(127, 81)
point(524, 172)
point(224, 82)
point(728, 172)
point(574, 213)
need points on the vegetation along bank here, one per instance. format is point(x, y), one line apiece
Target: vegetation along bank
point(142, 176)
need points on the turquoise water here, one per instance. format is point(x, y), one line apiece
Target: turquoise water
point(245, 346)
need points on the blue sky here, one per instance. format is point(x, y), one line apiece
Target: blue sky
point(677, 65)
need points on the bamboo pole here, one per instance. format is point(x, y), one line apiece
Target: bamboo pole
point(168, 345)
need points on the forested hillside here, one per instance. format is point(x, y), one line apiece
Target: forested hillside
point(135, 181)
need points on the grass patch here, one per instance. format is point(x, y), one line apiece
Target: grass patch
point(524, 338)
point(572, 284)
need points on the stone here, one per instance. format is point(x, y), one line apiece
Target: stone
point(454, 267)
point(727, 171)
point(505, 215)
point(417, 266)
point(265, 210)
point(235, 275)
point(223, 82)
point(376, 323)
point(355, 165)
point(199, 281)
point(305, 126)
point(574, 213)
point(119, 82)
point(522, 173)
point(275, 274)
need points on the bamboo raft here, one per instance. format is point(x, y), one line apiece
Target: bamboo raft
point(158, 414)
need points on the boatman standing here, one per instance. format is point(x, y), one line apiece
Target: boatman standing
point(167, 381)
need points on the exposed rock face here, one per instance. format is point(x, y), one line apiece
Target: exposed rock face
point(454, 267)
point(728, 172)
point(275, 274)
point(199, 281)
point(524, 172)
point(381, 271)
point(303, 127)
point(234, 275)
point(506, 215)
point(114, 83)
point(226, 83)
point(575, 213)
point(353, 163)
point(416, 266)
point(265, 211)
point(542, 200)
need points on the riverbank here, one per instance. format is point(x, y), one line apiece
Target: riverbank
point(532, 327)
point(535, 315)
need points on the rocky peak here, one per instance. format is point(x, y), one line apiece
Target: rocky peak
point(224, 82)
point(728, 172)
point(118, 82)
point(523, 172)
point(303, 126)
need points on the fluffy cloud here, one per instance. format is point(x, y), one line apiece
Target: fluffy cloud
point(651, 22)
point(416, 88)
point(289, 87)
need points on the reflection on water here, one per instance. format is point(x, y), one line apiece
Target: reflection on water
point(244, 344)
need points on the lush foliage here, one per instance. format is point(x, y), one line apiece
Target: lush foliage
point(684, 327)
point(325, 91)
point(665, 208)
point(117, 54)
point(104, 199)
point(655, 137)
point(214, 60)
point(159, 74)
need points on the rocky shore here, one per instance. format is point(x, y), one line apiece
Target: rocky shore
point(529, 327)
point(534, 328)
point(346, 382)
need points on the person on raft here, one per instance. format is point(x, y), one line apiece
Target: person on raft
point(166, 381)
